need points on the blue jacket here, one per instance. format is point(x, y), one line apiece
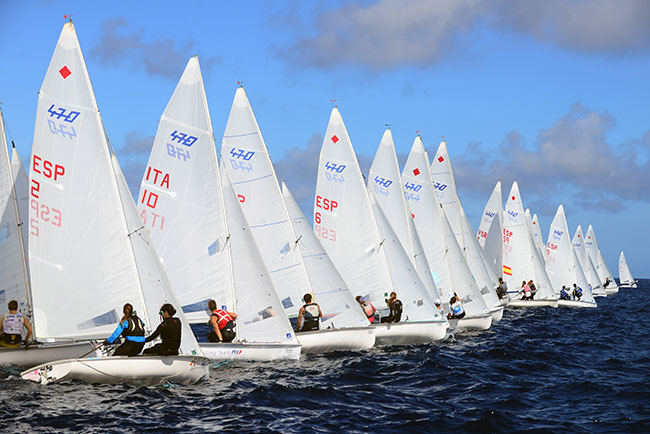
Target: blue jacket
point(124, 325)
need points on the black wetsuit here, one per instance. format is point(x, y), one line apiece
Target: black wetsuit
point(170, 332)
point(395, 312)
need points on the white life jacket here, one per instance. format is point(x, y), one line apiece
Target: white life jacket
point(13, 324)
point(457, 308)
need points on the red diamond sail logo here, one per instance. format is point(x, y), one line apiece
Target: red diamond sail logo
point(513, 198)
point(416, 171)
point(578, 235)
point(533, 222)
point(335, 139)
point(65, 72)
point(440, 159)
point(589, 237)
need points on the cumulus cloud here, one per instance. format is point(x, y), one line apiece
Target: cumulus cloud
point(133, 154)
point(394, 33)
point(572, 158)
point(118, 43)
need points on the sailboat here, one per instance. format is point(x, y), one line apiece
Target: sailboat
point(360, 241)
point(562, 263)
point(14, 276)
point(385, 185)
point(448, 265)
point(536, 231)
point(624, 276)
point(587, 264)
point(521, 258)
point(490, 230)
point(443, 176)
point(205, 254)
point(606, 276)
point(253, 177)
point(328, 285)
point(89, 254)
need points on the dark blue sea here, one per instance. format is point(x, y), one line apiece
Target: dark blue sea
point(538, 370)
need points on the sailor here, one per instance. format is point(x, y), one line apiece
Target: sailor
point(170, 332)
point(439, 306)
point(533, 289)
point(525, 288)
point(577, 292)
point(309, 315)
point(367, 308)
point(131, 328)
point(563, 294)
point(223, 323)
point(607, 282)
point(11, 327)
point(457, 310)
point(395, 307)
point(502, 289)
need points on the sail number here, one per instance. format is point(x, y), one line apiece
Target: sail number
point(41, 212)
point(506, 235)
point(481, 234)
point(324, 233)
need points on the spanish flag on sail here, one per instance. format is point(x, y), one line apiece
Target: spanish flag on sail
point(507, 270)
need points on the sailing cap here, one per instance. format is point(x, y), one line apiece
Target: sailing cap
point(437, 302)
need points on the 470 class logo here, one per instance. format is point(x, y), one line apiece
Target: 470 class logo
point(182, 138)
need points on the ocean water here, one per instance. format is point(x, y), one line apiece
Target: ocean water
point(538, 370)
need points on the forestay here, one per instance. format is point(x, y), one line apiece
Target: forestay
point(521, 258)
point(385, 185)
point(253, 178)
point(180, 201)
point(448, 266)
point(562, 262)
point(333, 294)
point(261, 317)
point(14, 284)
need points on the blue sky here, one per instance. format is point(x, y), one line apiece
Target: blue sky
point(554, 94)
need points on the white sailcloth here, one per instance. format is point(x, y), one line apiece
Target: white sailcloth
point(330, 289)
point(261, 317)
point(597, 258)
point(253, 178)
point(490, 231)
point(21, 189)
point(536, 230)
point(14, 283)
point(442, 174)
point(448, 266)
point(585, 261)
point(385, 185)
point(562, 263)
point(88, 253)
point(624, 275)
point(180, 201)
point(521, 258)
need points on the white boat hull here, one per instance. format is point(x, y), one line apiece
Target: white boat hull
point(42, 353)
point(599, 293)
point(139, 370)
point(478, 322)
point(250, 351)
point(611, 291)
point(532, 303)
point(343, 339)
point(497, 313)
point(409, 333)
point(575, 303)
point(628, 286)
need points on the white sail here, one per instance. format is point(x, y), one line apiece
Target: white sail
point(536, 230)
point(21, 189)
point(180, 200)
point(88, 252)
point(624, 275)
point(443, 177)
point(521, 258)
point(330, 289)
point(586, 262)
point(261, 317)
point(385, 185)
point(562, 263)
point(253, 178)
point(14, 283)
point(448, 266)
point(597, 258)
point(490, 231)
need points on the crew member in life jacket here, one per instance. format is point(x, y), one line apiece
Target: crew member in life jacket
point(577, 292)
point(367, 308)
point(11, 327)
point(309, 314)
point(223, 323)
point(170, 332)
point(502, 289)
point(395, 307)
point(131, 328)
point(525, 288)
point(607, 282)
point(439, 307)
point(564, 295)
point(457, 310)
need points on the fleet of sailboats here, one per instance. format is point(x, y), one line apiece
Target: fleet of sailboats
point(75, 246)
